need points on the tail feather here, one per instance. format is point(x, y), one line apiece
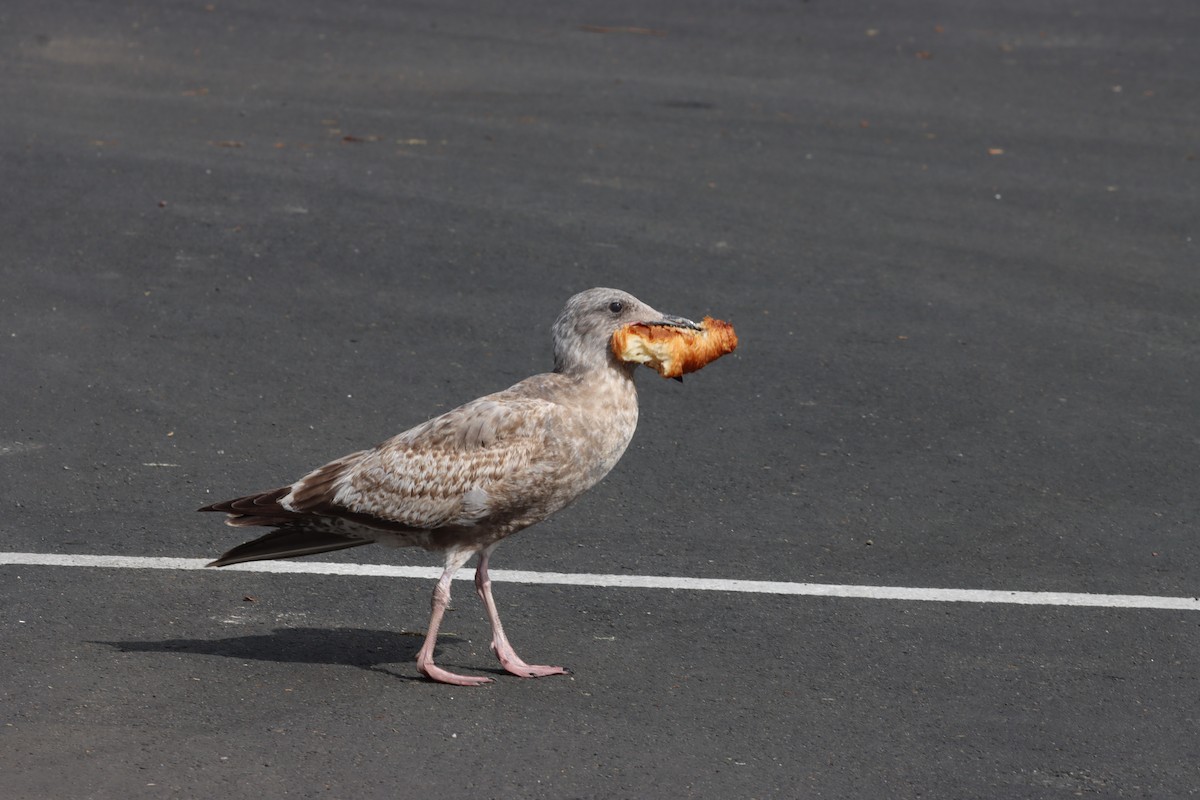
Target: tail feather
point(297, 533)
point(255, 509)
point(287, 543)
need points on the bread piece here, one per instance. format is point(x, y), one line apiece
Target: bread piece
point(672, 350)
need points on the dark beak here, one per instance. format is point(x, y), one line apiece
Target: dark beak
point(676, 322)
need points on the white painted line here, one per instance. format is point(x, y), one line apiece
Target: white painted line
point(628, 581)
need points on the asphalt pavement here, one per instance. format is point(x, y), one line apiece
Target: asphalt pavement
point(958, 243)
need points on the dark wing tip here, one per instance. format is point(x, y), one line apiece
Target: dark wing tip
point(287, 542)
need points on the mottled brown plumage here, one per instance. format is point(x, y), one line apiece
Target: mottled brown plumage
point(461, 482)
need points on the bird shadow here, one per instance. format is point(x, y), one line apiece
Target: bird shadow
point(353, 647)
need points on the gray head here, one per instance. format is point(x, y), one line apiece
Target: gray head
point(583, 331)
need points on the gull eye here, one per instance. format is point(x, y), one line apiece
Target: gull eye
point(616, 306)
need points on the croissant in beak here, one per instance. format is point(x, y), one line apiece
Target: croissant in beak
point(671, 348)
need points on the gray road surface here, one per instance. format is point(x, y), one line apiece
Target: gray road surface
point(958, 241)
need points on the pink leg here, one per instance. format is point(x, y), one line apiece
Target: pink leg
point(441, 599)
point(500, 646)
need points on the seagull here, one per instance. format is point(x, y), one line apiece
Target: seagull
point(461, 482)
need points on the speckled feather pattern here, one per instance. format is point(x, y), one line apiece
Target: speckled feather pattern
point(485, 469)
point(466, 479)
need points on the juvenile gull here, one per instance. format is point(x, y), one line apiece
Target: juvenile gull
point(459, 483)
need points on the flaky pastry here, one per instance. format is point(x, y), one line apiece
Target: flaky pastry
point(673, 350)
